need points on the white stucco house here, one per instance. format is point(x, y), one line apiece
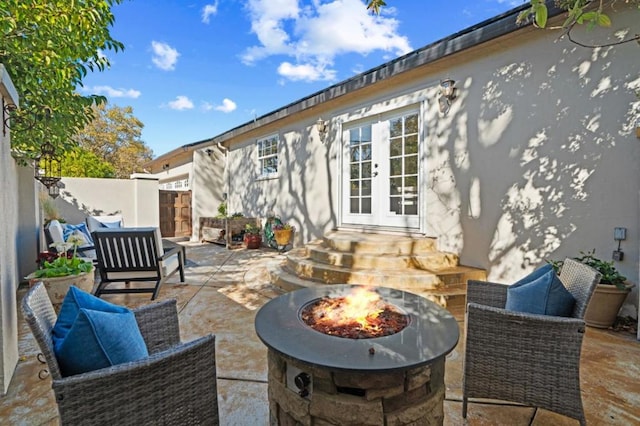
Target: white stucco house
point(534, 157)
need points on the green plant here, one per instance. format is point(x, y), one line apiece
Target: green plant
point(222, 210)
point(283, 226)
point(252, 229)
point(610, 274)
point(65, 264)
point(49, 208)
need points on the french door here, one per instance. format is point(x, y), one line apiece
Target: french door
point(380, 168)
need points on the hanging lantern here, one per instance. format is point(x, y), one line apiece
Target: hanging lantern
point(47, 168)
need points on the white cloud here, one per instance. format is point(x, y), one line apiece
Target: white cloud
point(208, 10)
point(314, 35)
point(305, 72)
point(165, 56)
point(181, 103)
point(227, 106)
point(115, 93)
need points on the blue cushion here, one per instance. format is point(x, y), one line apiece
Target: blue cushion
point(98, 340)
point(535, 274)
point(75, 300)
point(544, 295)
point(68, 229)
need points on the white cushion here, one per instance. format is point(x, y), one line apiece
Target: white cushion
point(56, 231)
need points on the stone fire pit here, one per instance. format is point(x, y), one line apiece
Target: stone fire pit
point(315, 378)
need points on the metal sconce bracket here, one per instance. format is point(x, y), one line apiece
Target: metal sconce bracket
point(447, 95)
point(323, 127)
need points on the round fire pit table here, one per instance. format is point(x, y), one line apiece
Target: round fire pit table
point(394, 379)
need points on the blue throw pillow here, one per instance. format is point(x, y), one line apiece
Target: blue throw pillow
point(544, 295)
point(68, 229)
point(75, 300)
point(544, 269)
point(98, 340)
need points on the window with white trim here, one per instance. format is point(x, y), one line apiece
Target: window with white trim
point(268, 156)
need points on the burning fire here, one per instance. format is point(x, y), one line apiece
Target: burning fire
point(359, 315)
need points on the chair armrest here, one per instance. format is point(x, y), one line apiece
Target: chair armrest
point(521, 342)
point(176, 386)
point(171, 252)
point(487, 293)
point(158, 324)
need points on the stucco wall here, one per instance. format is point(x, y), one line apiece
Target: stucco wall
point(9, 280)
point(208, 186)
point(135, 199)
point(536, 160)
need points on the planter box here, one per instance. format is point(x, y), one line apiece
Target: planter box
point(233, 227)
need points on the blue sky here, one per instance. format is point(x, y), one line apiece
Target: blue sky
point(194, 69)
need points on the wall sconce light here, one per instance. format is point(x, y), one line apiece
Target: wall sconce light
point(209, 151)
point(165, 166)
point(47, 167)
point(447, 95)
point(323, 127)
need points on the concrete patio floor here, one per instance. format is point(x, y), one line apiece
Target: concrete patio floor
point(221, 295)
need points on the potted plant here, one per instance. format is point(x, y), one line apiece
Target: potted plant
point(283, 233)
point(58, 271)
point(610, 293)
point(252, 237)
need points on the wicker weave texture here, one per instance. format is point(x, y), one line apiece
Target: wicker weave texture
point(175, 385)
point(530, 359)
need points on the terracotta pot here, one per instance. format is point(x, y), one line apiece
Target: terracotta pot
point(283, 236)
point(605, 304)
point(252, 241)
point(57, 287)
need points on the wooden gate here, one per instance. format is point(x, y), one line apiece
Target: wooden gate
point(175, 213)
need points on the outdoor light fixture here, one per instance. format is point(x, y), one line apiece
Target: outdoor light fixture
point(323, 128)
point(165, 166)
point(447, 95)
point(47, 167)
point(209, 151)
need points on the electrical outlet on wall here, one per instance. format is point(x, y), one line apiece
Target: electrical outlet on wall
point(618, 255)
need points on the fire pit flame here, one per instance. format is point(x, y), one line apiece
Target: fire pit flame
point(360, 314)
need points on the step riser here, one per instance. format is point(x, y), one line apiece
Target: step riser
point(393, 246)
point(432, 262)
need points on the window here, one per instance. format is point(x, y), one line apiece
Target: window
point(268, 156)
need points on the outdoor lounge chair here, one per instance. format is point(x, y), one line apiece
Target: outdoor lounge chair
point(175, 385)
point(531, 359)
point(135, 254)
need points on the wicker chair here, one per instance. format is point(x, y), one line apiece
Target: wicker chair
point(525, 358)
point(175, 385)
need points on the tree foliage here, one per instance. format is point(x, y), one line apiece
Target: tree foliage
point(48, 47)
point(78, 162)
point(113, 136)
point(578, 12)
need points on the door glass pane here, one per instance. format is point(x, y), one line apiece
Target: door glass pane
point(411, 145)
point(366, 170)
point(360, 169)
point(366, 187)
point(355, 188)
point(411, 165)
point(395, 147)
point(395, 166)
point(366, 205)
point(403, 165)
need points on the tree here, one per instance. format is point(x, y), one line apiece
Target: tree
point(48, 47)
point(78, 162)
point(579, 12)
point(114, 137)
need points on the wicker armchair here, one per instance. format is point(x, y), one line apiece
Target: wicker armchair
point(530, 359)
point(175, 385)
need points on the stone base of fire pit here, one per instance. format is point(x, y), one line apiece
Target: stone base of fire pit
point(410, 397)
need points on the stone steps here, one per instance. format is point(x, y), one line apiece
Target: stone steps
point(408, 263)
